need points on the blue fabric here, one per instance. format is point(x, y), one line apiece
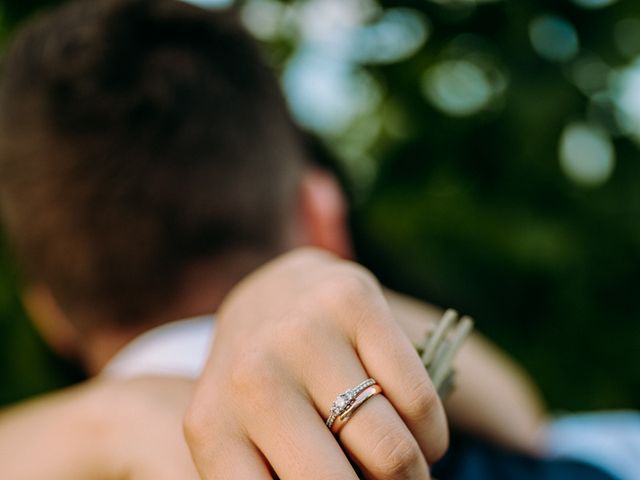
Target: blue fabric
point(473, 459)
point(609, 440)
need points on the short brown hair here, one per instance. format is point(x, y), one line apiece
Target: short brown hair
point(136, 138)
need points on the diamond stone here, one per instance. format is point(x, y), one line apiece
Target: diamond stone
point(342, 402)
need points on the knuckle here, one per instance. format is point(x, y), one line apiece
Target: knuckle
point(249, 375)
point(256, 382)
point(353, 279)
point(240, 376)
point(422, 400)
point(289, 341)
point(424, 407)
point(194, 424)
point(438, 446)
point(204, 440)
point(343, 285)
point(294, 331)
point(397, 456)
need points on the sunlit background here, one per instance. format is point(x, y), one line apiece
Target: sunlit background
point(492, 153)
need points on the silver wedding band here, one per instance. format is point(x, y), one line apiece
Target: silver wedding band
point(347, 399)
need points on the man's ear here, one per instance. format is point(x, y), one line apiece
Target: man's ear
point(50, 321)
point(323, 212)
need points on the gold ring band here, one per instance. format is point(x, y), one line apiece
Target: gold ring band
point(346, 399)
point(365, 395)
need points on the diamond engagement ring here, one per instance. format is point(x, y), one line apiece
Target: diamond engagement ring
point(346, 399)
point(362, 397)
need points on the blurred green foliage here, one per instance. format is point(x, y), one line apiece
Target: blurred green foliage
point(469, 205)
point(475, 212)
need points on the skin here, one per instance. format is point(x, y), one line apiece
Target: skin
point(330, 329)
point(290, 336)
point(494, 397)
point(102, 429)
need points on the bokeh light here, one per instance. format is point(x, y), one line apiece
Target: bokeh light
point(398, 34)
point(553, 38)
point(463, 2)
point(460, 87)
point(590, 73)
point(624, 85)
point(485, 143)
point(326, 95)
point(586, 154)
point(263, 18)
point(211, 3)
point(627, 37)
point(594, 3)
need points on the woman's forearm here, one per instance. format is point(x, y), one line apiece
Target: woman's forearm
point(493, 397)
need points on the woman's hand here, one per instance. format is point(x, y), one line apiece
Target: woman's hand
point(289, 338)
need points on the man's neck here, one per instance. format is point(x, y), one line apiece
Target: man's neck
point(202, 294)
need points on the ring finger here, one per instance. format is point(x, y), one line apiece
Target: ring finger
point(375, 437)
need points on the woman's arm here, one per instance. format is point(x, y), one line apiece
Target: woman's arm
point(493, 397)
point(289, 338)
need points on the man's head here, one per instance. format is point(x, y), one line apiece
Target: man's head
point(140, 139)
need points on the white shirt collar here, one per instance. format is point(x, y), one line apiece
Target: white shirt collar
point(177, 348)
